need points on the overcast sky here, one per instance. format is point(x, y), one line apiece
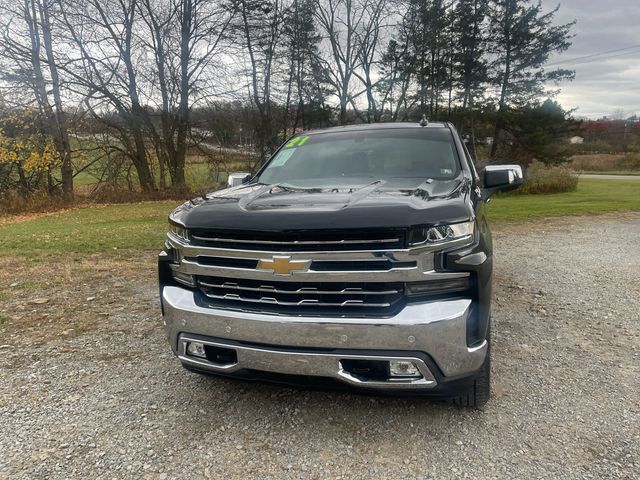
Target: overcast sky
point(604, 83)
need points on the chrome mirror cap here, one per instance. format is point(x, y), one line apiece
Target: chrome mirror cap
point(237, 178)
point(503, 177)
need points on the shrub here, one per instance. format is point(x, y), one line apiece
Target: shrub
point(12, 202)
point(540, 178)
point(606, 162)
point(108, 193)
point(597, 146)
point(630, 162)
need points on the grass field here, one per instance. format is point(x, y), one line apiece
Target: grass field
point(197, 175)
point(123, 230)
point(198, 172)
point(611, 172)
point(592, 196)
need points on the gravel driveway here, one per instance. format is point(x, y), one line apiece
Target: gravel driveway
point(88, 388)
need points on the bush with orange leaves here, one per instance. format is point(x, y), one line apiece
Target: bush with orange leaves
point(27, 156)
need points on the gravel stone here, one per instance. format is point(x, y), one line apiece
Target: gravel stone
point(83, 395)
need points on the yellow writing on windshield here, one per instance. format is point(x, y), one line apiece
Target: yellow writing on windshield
point(297, 141)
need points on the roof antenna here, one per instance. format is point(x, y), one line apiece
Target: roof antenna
point(424, 122)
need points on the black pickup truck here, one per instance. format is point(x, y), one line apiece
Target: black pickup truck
point(357, 256)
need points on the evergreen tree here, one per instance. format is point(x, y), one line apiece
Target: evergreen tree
point(470, 49)
point(522, 38)
point(541, 131)
point(303, 91)
point(426, 26)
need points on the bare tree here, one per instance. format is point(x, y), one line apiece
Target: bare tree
point(370, 34)
point(396, 76)
point(103, 70)
point(338, 20)
point(145, 72)
point(184, 37)
point(260, 27)
point(28, 42)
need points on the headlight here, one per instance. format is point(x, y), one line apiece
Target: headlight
point(442, 234)
point(179, 231)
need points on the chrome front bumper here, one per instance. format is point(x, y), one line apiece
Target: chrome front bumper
point(315, 364)
point(307, 345)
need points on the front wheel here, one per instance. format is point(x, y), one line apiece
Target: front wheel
point(479, 392)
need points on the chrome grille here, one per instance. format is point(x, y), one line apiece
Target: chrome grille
point(376, 265)
point(345, 273)
point(322, 297)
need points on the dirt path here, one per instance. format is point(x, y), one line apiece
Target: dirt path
point(88, 388)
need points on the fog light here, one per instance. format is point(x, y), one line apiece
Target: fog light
point(196, 349)
point(403, 368)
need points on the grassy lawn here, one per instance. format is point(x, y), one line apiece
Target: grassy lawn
point(120, 230)
point(197, 175)
point(611, 172)
point(592, 196)
point(123, 230)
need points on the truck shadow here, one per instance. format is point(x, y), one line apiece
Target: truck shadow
point(261, 410)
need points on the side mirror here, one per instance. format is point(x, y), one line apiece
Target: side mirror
point(237, 178)
point(501, 178)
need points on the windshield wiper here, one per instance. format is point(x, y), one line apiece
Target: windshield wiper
point(290, 188)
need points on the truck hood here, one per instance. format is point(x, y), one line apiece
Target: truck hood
point(380, 204)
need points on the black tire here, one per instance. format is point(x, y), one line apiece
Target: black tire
point(479, 393)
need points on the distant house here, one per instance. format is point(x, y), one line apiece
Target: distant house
point(576, 140)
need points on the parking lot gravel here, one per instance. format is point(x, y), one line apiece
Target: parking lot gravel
point(89, 388)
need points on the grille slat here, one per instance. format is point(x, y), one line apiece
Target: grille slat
point(306, 302)
point(307, 290)
point(323, 297)
point(372, 265)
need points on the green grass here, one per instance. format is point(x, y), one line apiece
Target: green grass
point(197, 176)
point(117, 229)
point(83, 178)
point(123, 230)
point(592, 196)
point(610, 172)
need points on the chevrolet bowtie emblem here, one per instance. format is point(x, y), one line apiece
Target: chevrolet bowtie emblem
point(281, 265)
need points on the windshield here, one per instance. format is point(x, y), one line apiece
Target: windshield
point(361, 157)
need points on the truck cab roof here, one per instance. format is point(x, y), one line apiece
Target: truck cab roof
point(377, 126)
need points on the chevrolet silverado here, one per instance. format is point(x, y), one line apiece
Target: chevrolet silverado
point(356, 256)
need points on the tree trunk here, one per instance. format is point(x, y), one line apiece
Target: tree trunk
point(61, 136)
point(342, 119)
point(138, 115)
point(178, 179)
point(140, 160)
point(504, 84)
point(501, 106)
point(53, 124)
